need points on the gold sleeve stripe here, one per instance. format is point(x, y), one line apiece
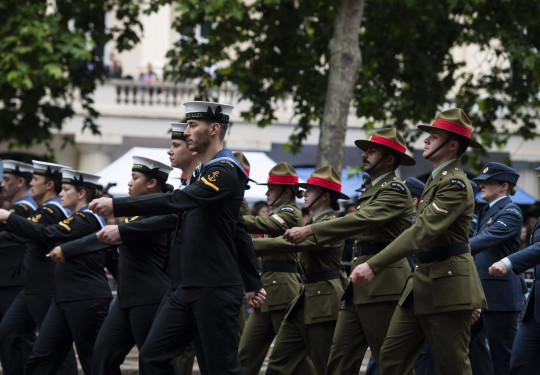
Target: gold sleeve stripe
point(440, 209)
point(65, 226)
point(278, 219)
point(209, 184)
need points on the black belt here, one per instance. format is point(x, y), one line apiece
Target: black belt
point(314, 277)
point(441, 253)
point(273, 266)
point(368, 248)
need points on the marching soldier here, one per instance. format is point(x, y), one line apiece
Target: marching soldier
point(29, 308)
point(308, 326)
point(15, 185)
point(444, 290)
point(498, 235)
point(525, 359)
point(141, 275)
point(280, 275)
point(82, 295)
point(384, 211)
point(207, 302)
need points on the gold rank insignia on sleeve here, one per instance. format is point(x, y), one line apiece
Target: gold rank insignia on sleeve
point(212, 177)
point(66, 222)
point(35, 219)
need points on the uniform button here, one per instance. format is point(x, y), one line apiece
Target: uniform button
point(422, 201)
point(318, 292)
point(449, 273)
point(355, 258)
point(444, 173)
point(273, 282)
point(303, 286)
point(416, 268)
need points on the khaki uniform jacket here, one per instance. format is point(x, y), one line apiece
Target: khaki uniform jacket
point(443, 218)
point(321, 298)
point(383, 212)
point(281, 287)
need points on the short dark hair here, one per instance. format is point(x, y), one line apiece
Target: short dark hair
point(57, 183)
point(463, 144)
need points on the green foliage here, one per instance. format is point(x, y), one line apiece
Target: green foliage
point(50, 57)
point(274, 49)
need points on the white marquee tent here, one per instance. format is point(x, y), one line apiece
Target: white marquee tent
point(119, 171)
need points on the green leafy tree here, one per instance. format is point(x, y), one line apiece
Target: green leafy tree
point(51, 55)
point(274, 49)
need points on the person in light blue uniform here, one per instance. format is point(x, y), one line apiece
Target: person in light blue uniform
point(497, 235)
point(525, 358)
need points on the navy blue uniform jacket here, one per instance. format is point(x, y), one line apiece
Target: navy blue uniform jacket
point(208, 255)
point(497, 236)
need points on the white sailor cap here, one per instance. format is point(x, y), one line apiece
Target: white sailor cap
point(78, 178)
point(177, 130)
point(17, 168)
point(208, 110)
point(44, 168)
point(152, 167)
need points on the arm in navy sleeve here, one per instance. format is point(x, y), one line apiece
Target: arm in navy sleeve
point(149, 226)
point(246, 258)
point(526, 258)
point(505, 226)
point(206, 191)
point(84, 245)
point(78, 225)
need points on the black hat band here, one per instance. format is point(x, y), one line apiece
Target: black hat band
point(155, 172)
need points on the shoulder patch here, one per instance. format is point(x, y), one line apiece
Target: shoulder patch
point(459, 183)
point(398, 186)
point(287, 208)
point(514, 210)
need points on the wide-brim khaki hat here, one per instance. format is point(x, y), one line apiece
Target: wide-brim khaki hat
point(325, 177)
point(282, 174)
point(389, 139)
point(453, 121)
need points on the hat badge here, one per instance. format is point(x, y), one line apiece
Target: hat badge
point(485, 170)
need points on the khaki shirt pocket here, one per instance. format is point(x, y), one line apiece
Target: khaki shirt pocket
point(319, 302)
point(450, 283)
point(390, 281)
point(276, 293)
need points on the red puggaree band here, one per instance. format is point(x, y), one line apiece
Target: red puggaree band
point(452, 126)
point(323, 182)
point(279, 179)
point(247, 171)
point(388, 142)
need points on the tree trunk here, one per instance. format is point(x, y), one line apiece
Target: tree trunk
point(345, 60)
